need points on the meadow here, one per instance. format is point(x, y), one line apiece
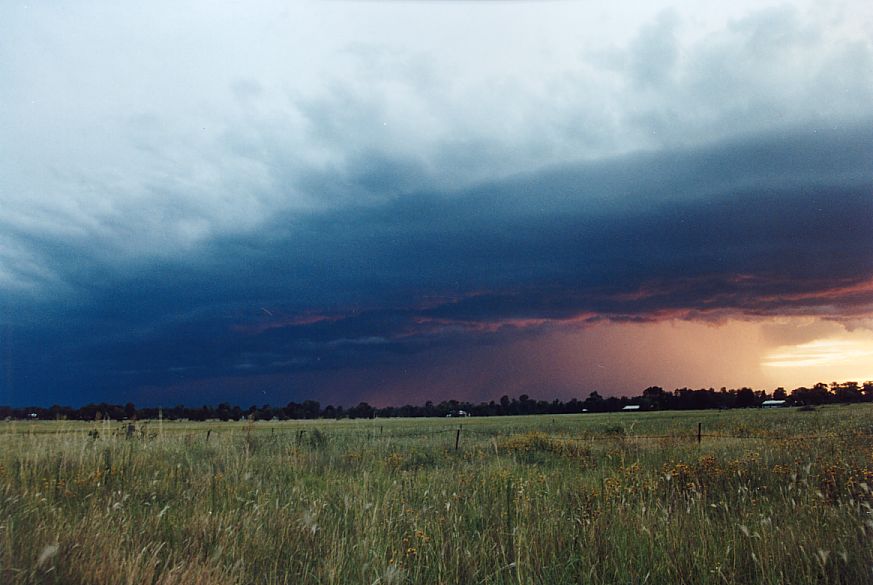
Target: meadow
point(766, 496)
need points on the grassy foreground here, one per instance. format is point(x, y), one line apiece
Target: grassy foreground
point(550, 499)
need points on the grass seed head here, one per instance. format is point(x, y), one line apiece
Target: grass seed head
point(48, 553)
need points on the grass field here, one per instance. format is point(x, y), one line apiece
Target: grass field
point(780, 496)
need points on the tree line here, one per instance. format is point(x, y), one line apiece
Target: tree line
point(652, 398)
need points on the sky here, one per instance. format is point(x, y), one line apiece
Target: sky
point(262, 202)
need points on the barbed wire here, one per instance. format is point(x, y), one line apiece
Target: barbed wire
point(383, 432)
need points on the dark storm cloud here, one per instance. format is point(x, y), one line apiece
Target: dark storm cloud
point(768, 225)
point(195, 195)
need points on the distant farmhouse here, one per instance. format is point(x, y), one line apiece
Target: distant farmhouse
point(773, 404)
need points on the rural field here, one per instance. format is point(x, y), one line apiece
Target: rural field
point(766, 496)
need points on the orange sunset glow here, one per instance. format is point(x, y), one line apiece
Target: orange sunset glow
point(849, 358)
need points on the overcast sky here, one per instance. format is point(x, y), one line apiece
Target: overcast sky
point(402, 201)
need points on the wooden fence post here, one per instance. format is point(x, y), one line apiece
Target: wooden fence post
point(699, 432)
point(457, 437)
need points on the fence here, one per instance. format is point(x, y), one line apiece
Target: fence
point(696, 435)
point(455, 435)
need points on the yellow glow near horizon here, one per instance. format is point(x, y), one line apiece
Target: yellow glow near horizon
point(831, 359)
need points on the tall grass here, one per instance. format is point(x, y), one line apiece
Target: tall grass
point(551, 499)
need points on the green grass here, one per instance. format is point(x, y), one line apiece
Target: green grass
point(547, 499)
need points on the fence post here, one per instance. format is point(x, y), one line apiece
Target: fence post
point(457, 437)
point(699, 432)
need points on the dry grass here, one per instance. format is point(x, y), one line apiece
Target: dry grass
point(572, 499)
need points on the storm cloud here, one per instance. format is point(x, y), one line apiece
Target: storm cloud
point(319, 205)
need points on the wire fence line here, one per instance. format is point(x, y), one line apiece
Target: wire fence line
point(605, 437)
point(460, 432)
point(152, 430)
point(596, 437)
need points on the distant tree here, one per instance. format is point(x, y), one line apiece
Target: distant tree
point(293, 410)
point(746, 398)
point(821, 393)
point(657, 397)
point(525, 404)
point(818, 394)
point(594, 402)
point(846, 392)
point(223, 412)
point(613, 404)
point(311, 408)
point(362, 410)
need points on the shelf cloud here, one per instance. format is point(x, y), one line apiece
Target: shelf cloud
point(272, 202)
